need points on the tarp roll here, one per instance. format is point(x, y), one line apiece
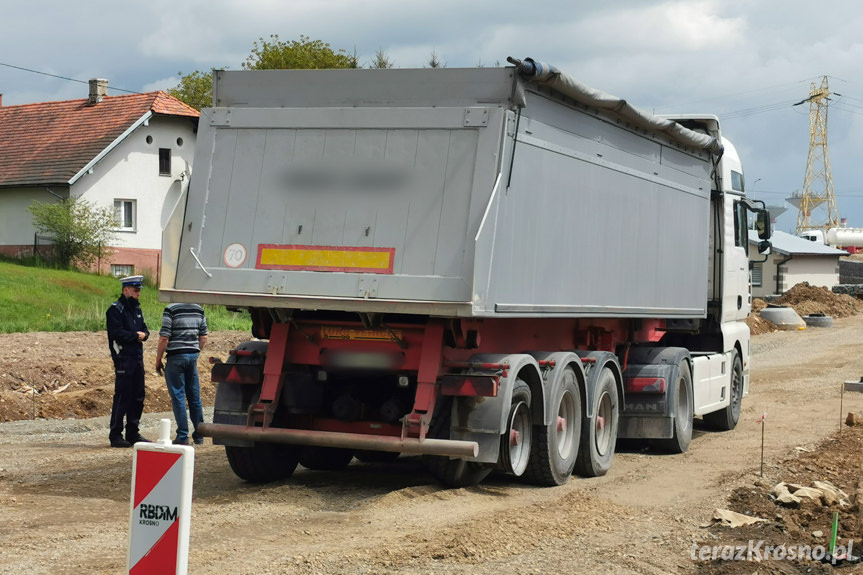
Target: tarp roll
point(547, 75)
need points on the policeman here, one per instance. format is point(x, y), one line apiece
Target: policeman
point(126, 332)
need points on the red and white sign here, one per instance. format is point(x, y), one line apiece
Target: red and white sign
point(160, 508)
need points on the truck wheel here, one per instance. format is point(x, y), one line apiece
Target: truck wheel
point(726, 419)
point(683, 414)
point(325, 458)
point(451, 472)
point(263, 462)
point(599, 434)
point(555, 446)
point(515, 443)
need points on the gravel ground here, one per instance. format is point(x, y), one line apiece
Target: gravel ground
point(64, 495)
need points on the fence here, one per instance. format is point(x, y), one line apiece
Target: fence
point(43, 248)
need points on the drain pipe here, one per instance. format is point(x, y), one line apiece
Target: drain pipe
point(779, 273)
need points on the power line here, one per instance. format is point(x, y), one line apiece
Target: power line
point(62, 77)
point(756, 110)
point(743, 93)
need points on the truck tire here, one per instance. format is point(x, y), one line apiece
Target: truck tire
point(818, 320)
point(517, 440)
point(263, 462)
point(599, 433)
point(684, 405)
point(325, 458)
point(451, 472)
point(726, 419)
point(555, 446)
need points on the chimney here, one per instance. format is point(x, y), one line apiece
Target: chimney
point(1, 100)
point(98, 90)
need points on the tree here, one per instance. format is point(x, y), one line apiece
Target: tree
point(303, 54)
point(195, 89)
point(381, 60)
point(79, 229)
point(434, 61)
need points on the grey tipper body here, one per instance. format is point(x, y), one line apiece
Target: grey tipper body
point(495, 268)
point(291, 157)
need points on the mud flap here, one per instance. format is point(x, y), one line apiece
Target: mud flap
point(650, 415)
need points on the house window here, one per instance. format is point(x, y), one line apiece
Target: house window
point(125, 212)
point(756, 274)
point(164, 161)
point(121, 271)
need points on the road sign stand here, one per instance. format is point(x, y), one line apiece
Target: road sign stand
point(161, 506)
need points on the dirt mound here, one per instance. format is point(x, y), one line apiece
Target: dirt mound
point(805, 300)
point(804, 526)
point(70, 375)
point(808, 300)
point(757, 324)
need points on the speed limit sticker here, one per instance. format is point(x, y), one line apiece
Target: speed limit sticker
point(235, 255)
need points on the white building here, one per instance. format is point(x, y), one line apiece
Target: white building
point(792, 260)
point(133, 152)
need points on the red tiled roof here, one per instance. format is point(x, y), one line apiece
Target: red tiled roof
point(48, 143)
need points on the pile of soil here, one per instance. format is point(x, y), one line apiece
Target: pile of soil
point(836, 460)
point(757, 324)
point(70, 375)
point(808, 300)
point(805, 300)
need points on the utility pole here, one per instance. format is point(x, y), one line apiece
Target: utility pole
point(817, 196)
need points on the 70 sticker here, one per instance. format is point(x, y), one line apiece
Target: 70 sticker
point(235, 255)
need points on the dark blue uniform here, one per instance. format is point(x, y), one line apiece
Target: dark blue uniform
point(125, 320)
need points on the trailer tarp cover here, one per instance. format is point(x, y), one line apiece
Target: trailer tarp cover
point(547, 75)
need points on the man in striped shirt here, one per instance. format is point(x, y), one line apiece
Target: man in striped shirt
point(182, 336)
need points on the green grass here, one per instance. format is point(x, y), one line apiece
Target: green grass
point(45, 299)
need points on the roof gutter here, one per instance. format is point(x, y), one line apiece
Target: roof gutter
point(86, 169)
point(779, 272)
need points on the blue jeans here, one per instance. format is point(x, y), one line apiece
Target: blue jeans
point(181, 375)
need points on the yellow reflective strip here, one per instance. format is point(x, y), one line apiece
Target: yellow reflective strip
point(325, 258)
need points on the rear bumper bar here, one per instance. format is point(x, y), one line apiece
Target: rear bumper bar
point(444, 447)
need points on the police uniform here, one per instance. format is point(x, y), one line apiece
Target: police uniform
point(124, 321)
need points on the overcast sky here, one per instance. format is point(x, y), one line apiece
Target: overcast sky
point(747, 61)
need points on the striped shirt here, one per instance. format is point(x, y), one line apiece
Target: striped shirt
point(183, 324)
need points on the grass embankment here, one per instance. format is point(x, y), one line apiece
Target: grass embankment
point(43, 299)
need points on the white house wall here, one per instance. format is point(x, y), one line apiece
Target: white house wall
point(820, 271)
point(16, 230)
point(131, 172)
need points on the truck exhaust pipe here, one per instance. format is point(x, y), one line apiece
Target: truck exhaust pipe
point(444, 447)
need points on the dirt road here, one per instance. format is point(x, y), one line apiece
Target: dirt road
point(64, 495)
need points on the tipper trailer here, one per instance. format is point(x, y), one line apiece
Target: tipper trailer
point(495, 268)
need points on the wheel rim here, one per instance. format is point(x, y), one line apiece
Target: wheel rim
point(603, 425)
point(566, 425)
point(519, 438)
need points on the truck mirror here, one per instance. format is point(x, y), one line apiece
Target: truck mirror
point(762, 224)
point(764, 247)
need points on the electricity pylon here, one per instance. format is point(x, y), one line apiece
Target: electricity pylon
point(812, 197)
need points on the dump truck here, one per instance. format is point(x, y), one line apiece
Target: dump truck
point(496, 269)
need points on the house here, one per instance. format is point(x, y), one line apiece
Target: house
point(133, 152)
point(792, 260)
